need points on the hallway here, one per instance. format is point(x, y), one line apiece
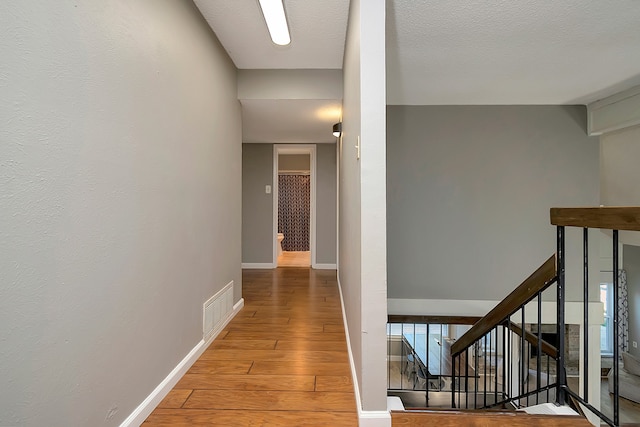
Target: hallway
point(282, 361)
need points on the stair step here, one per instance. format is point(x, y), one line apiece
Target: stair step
point(482, 418)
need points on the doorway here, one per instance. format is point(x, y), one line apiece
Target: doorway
point(294, 205)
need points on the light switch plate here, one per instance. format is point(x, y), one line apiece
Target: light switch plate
point(267, 189)
point(635, 344)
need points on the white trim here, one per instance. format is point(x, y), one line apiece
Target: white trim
point(440, 307)
point(147, 406)
point(615, 112)
point(258, 265)
point(324, 266)
point(365, 418)
point(295, 149)
point(446, 307)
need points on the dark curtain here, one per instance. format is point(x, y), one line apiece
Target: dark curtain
point(294, 199)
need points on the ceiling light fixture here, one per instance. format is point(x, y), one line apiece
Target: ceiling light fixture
point(337, 129)
point(273, 12)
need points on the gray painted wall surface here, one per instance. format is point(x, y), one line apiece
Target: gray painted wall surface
point(294, 162)
point(349, 252)
point(362, 210)
point(120, 189)
point(620, 174)
point(631, 263)
point(469, 192)
point(257, 206)
point(326, 215)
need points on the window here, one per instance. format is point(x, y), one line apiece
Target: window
point(606, 330)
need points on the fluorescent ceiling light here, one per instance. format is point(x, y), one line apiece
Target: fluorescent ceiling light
point(273, 12)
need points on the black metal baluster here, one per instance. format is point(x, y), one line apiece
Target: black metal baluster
point(616, 319)
point(561, 380)
point(428, 368)
point(527, 377)
point(484, 391)
point(523, 373)
point(510, 348)
point(459, 381)
point(539, 349)
point(475, 376)
point(495, 364)
point(585, 263)
point(504, 363)
point(466, 377)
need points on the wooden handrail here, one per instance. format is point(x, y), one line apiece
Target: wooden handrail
point(539, 280)
point(609, 218)
point(443, 320)
point(533, 339)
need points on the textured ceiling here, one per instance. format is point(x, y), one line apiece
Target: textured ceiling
point(317, 30)
point(440, 52)
point(510, 52)
point(289, 121)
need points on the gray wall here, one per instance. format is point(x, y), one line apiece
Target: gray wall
point(257, 206)
point(631, 263)
point(619, 173)
point(326, 203)
point(120, 169)
point(362, 266)
point(469, 192)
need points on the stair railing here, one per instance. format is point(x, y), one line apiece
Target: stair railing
point(607, 218)
point(506, 326)
point(494, 350)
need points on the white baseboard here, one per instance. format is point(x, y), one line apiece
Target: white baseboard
point(365, 418)
point(374, 418)
point(258, 265)
point(147, 406)
point(324, 266)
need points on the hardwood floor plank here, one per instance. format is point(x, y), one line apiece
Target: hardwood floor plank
point(226, 418)
point(282, 334)
point(272, 327)
point(248, 382)
point(334, 383)
point(300, 368)
point(333, 327)
point(220, 367)
point(282, 361)
point(175, 398)
point(339, 345)
point(271, 400)
point(276, 355)
point(244, 344)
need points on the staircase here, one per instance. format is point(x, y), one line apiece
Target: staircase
point(522, 380)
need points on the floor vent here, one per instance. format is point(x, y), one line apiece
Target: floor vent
point(216, 310)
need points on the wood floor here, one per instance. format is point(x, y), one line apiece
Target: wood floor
point(294, 259)
point(282, 361)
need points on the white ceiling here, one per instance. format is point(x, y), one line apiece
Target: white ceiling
point(440, 52)
point(317, 29)
point(510, 52)
point(289, 120)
